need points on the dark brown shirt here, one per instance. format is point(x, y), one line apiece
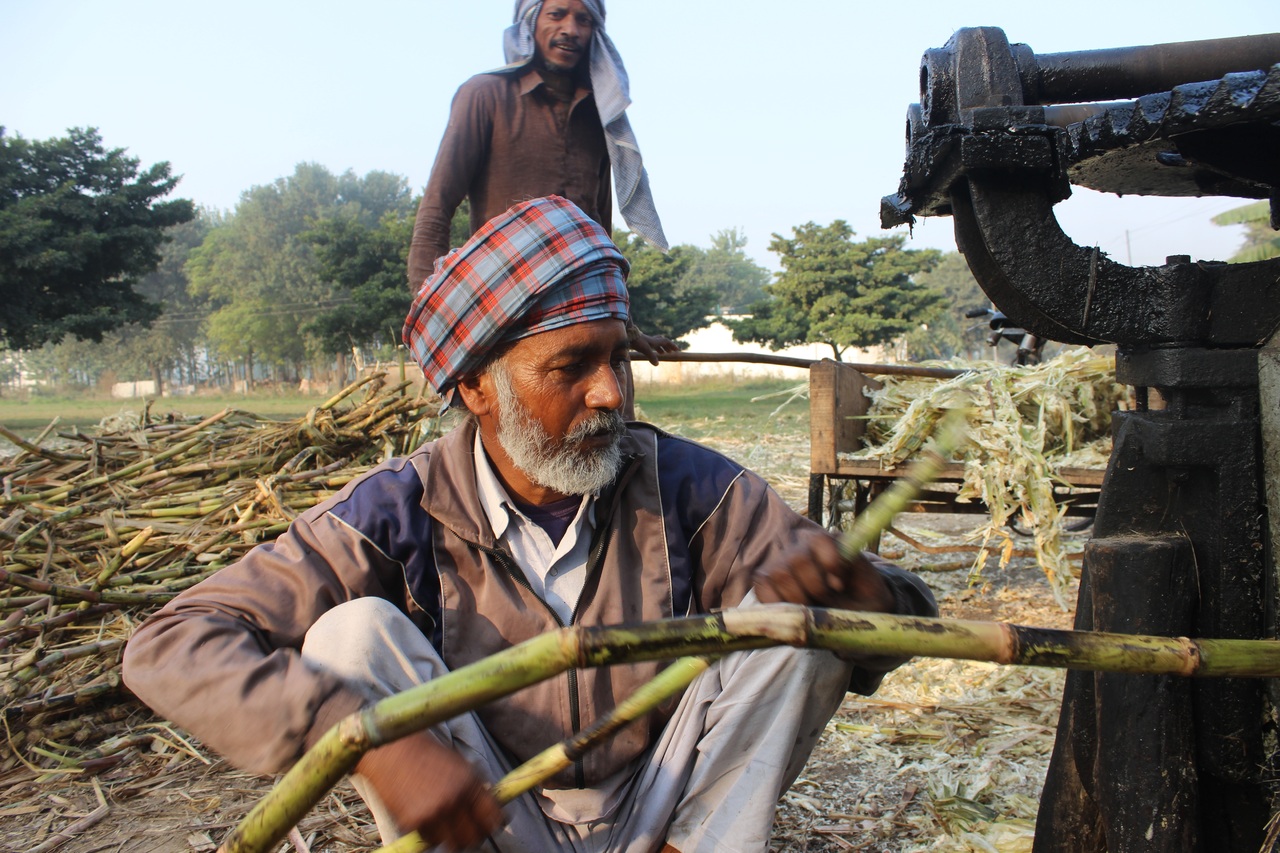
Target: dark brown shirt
point(510, 139)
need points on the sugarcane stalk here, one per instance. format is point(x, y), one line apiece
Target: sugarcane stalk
point(346, 392)
point(26, 632)
point(45, 523)
point(552, 760)
point(56, 657)
point(79, 593)
point(200, 427)
point(61, 701)
point(841, 631)
point(240, 464)
point(35, 449)
point(869, 524)
point(63, 492)
point(127, 553)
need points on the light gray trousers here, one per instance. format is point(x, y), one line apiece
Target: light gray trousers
point(739, 737)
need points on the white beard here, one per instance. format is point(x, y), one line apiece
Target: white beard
point(560, 466)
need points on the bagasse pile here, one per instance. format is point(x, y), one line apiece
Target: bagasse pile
point(1025, 423)
point(97, 533)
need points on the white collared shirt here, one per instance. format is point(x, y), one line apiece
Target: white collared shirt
point(556, 573)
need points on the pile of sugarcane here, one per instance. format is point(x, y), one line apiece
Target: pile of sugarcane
point(1024, 424)
point(99, 529)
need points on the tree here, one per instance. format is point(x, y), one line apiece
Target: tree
point(840, 293)
point(258, 269)
point(1260, 239)
point(174, 341)
point(79, 226)
point(661, 304)
point(367, 263)
point(951, 333)
point(72, 362)
point(725, 269)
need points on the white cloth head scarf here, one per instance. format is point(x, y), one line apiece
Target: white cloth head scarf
point(610, 87)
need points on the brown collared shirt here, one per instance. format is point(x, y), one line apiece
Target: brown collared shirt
point(510, 139)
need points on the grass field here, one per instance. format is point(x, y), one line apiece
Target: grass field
point(29, 417)
point(697, 409)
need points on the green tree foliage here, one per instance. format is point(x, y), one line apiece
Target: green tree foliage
point(725, 269)
point(173, 343)
point(367, 263)
point(73, 362)
point(79, 226)
point(661, 303)
point(951, 334)
point(843, 294)
point(259, 272)
point(1261, 241)
point(460, 225)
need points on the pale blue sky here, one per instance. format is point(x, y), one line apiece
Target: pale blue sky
point(757, 115)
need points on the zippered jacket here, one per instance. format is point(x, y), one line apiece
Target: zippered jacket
point(680, 531)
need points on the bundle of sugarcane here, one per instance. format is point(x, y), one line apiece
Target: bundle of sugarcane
point(98, 532)
point(1024, 425)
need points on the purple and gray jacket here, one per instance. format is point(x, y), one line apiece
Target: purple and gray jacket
point(681, 531)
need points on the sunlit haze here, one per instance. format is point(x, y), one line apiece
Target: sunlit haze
point(756, 115)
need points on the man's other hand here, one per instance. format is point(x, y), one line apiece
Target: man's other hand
point(650, 346)
point(816, 575)
point(428, 787)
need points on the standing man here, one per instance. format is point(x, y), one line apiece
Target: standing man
point(551, 122)
point(541, 509)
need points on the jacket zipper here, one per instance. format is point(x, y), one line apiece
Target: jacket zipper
point(593, 564)
point(575, 716)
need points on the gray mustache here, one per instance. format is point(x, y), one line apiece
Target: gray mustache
point(601, 423)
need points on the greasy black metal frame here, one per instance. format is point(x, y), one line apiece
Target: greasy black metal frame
point(1179, 545)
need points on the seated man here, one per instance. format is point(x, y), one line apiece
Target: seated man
point(542, 509)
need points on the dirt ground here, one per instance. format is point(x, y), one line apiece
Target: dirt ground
point(948, 755)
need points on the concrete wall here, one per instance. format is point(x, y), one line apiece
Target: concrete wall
point(142, 388)
point(717, 338)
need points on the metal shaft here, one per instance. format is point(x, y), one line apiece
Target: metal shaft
point(1129, 72)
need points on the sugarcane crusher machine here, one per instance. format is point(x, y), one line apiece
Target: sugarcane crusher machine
point(1180, 545)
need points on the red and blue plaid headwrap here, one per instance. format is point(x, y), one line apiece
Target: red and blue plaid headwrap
point(541, 265)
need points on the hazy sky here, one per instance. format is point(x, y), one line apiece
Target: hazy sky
point(756, 115)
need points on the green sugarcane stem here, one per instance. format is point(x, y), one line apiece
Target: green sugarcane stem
point(649, 696)
point(127, 553)
point(62, 701)
point(63, 492)
point(79, 593)
point(340, 748)
point(46, 523)
point(35, 449)
point(20, 633)
point(345, 393)
point(62, 656)
point(871, 522)
point(224, 466)
point(552, 760)
point(735, 630)
point(195, 428)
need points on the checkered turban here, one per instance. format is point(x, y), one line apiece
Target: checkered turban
point(541, 265)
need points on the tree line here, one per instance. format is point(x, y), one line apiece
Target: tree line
point(307, 274)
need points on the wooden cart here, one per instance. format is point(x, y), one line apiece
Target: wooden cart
point(839, 485)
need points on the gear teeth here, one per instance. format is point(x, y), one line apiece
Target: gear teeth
point(1246, 96)
point(1241, 89)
